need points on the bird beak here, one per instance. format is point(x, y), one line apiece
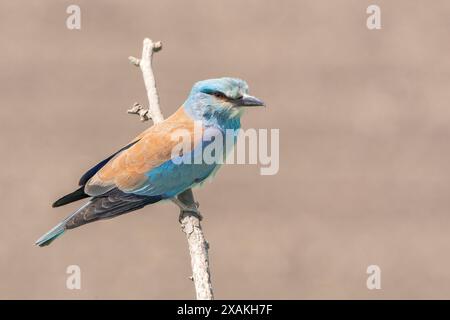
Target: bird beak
point(249, 101)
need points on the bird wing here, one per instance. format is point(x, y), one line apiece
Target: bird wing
point(129, 171)
point(79, 193)
point(85, 178)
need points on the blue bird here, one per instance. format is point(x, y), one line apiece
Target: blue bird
point(146, 170)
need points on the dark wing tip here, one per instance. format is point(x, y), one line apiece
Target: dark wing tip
point(57, 203)
point(71, 197)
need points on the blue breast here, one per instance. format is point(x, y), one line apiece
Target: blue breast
point(180, 173)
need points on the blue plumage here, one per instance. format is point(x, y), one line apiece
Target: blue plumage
point(217, 104)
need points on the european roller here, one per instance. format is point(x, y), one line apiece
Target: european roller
point(146, 170)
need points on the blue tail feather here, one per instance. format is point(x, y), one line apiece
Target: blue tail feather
point(58, 230)
point(54, 233)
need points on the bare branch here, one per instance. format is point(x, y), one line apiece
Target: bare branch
point(198, 246)
point(189, 215)
point(139, 110)
point(145, 63)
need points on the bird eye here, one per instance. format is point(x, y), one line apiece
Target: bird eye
point(219, 95)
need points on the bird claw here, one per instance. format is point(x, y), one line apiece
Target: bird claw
point(189, 212)
point(187, 209)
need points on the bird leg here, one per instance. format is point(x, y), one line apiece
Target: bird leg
point(190, 209)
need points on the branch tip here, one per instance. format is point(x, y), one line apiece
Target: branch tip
point(134, 61)
point(139, 110)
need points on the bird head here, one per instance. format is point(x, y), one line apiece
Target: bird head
point(222, 98)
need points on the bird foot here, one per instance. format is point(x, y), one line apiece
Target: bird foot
point(187, 210)
point(185, 213)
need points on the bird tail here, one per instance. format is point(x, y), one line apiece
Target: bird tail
point(106, 206)
point(58, 230)
point(54, 233)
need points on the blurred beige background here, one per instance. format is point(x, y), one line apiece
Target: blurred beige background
point(364, 123)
